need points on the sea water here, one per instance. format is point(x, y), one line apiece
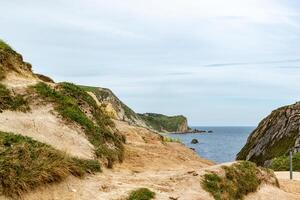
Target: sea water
point(221, 145)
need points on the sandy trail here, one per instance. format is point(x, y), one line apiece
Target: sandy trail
point(285, 175)
point(291, 186)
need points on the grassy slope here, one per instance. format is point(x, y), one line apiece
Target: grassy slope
point(162, 122)
point(10, 102)
point(239, 180)
point(26, 164)
point(70, 100)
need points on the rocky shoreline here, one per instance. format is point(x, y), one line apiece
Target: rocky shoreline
point(194, 131)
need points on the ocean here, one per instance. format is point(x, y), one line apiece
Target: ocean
point(220, 146)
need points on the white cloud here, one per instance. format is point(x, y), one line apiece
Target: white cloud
point(155, 52)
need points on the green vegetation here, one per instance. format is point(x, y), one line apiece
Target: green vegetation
point(282, 163)
point(162, 122)
point(240, 179)
point(141, 194)
point(26, 164)
point(274, 149)
point(5, 46)
point(74, 104)
point(169, 139)
point(10, 102)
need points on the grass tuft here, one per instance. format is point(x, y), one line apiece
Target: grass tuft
point(10, 102)
point(26, 164)
point(141, 194)
point(240, 179)
point(74, 104)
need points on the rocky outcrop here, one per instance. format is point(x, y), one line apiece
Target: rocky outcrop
point(194, 141)
point(274, 136)
point(163, 123)
point(12, 62)
point(113, 105)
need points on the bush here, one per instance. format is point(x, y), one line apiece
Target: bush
point(282, 163)
point(141, 194)
point(70, 100)
point(240, 179)
point(26, 164)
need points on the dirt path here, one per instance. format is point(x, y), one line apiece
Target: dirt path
point(291, 186)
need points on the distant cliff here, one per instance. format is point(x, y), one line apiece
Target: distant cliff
point(274, 136)
point(120, 111)
point(163, 123)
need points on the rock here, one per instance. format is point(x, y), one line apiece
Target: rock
point(195, 174)
point(193, 149)
point(210, 131)
point(194, 141)
point(274, 136)
point(191, 172)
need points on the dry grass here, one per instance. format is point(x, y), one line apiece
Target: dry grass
point(26, 164)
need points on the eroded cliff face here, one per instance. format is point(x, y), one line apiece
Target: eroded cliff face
point(274, 136)
point(114, 106)
point(11, 61)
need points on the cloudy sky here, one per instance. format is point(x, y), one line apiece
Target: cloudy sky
point(217, 62)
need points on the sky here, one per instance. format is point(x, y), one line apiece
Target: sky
point(220, 63)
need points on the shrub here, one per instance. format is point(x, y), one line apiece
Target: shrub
point(141, 194)
point(70, 101)
point(26, 164)
point(282, 163)
point(240, 179)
